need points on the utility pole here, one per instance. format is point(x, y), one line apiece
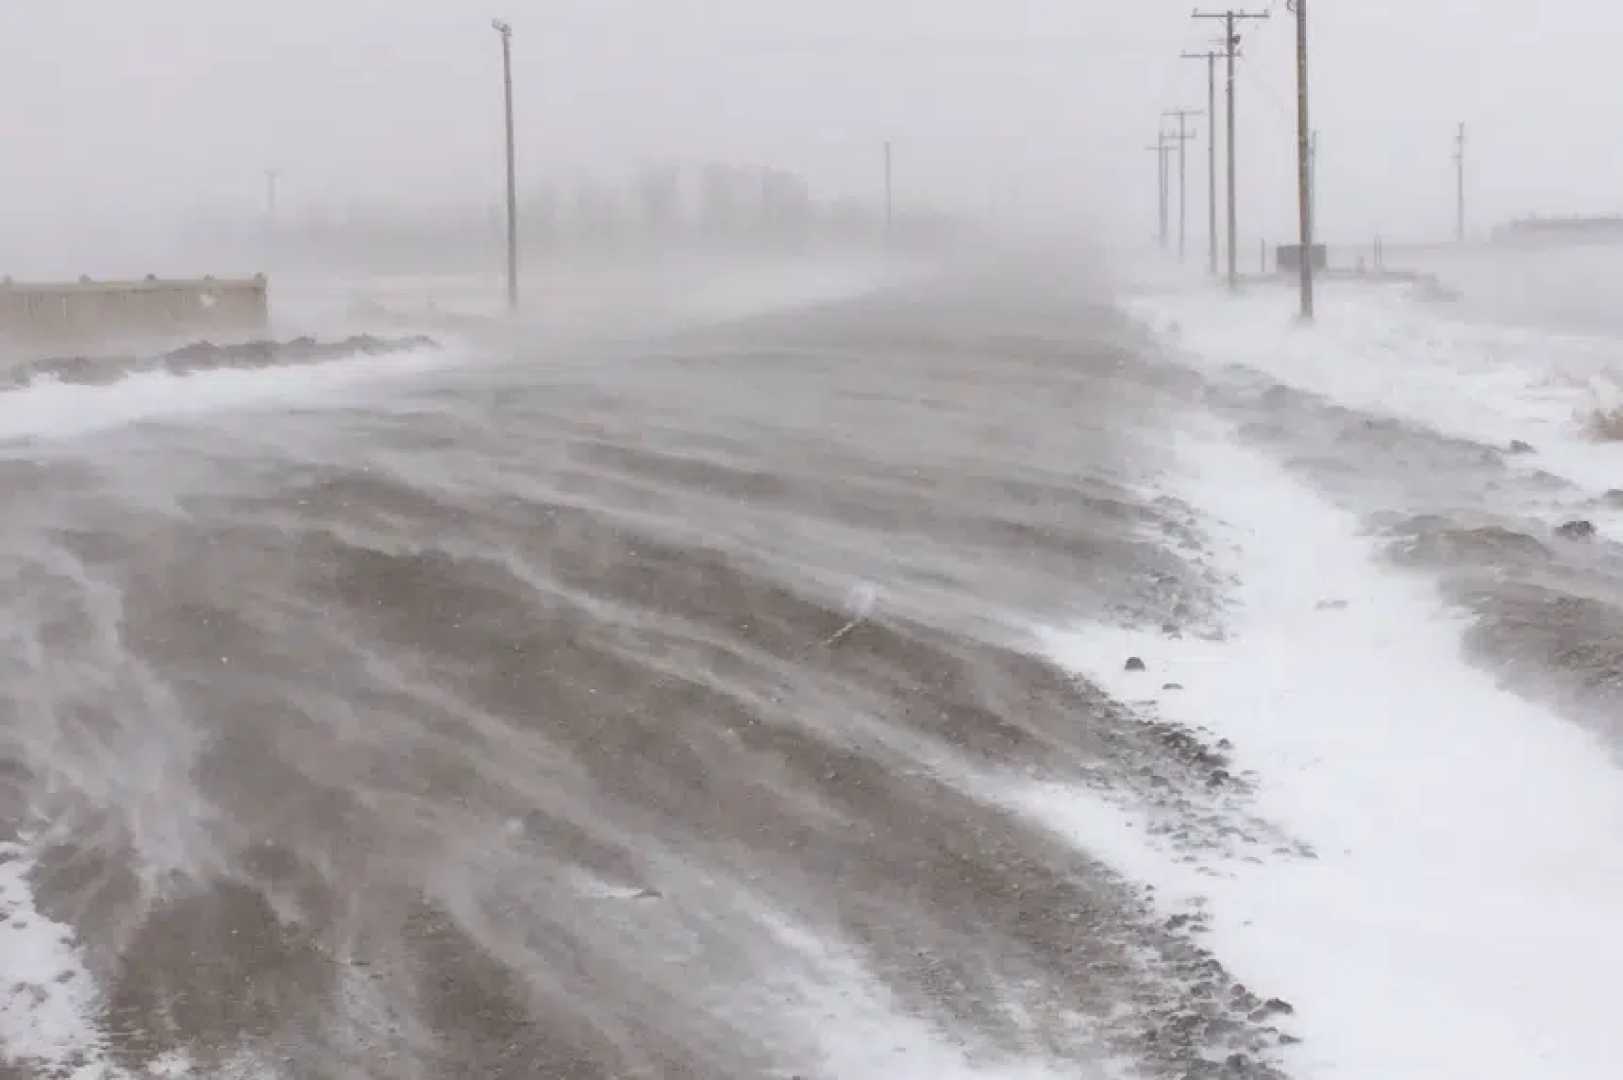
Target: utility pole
point(506, 33)
point(1161, 149)
point(1231, 45)
point(271, 177)
point(890, 206)
point(1304, 160)
point(1459, 170)
point(1211, 150)
point(1313, 173)
point(1183, 137)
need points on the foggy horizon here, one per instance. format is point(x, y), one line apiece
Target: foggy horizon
point(135, 117)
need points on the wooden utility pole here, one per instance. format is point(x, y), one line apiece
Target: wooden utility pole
point(1211, 149)
point(1162, 147)
point(1231, 46)
point(1183, 136)
point(1304, 161)
point(890, 206)
point(1313, 191)
point(1459, 175)
point(506, 33)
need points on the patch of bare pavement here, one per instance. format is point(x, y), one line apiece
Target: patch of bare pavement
point(620, 714)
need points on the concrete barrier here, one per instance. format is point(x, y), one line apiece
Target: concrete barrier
point(53, 313)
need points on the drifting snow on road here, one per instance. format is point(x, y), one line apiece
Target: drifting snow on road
point(608, 709)
point(752, 699)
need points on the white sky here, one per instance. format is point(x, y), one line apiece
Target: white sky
point(123, 111)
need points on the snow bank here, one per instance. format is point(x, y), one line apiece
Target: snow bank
point(1379, 350)
point(1457, 918)
point(49, 409)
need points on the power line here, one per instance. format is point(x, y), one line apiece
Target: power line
point(1231, 44)
point(1161, 149)
point(1313, 175)
point(890, 203)
point(1210, 57)
point(1183, 137)
point(1304, 159)
point(506, 33)
point(1459, 168)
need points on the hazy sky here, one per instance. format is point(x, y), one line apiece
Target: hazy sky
point(119, 113)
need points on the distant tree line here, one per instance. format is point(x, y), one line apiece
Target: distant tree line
point(713, 206)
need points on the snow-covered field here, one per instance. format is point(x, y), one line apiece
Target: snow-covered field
point(1455, 916)
point(1465, 843)
point(1432, 364)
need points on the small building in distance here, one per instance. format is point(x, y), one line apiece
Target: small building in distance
point(1575, 229)
point(1288, 258)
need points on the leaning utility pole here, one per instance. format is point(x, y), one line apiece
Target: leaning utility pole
point(1459, 170)
point(1183, 137)
point(1231, 43)
point(1304, 160)
point(506, 33)
point(1211, 149)
point(1161, 149)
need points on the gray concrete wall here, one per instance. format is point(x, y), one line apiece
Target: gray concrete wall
point(39, 313)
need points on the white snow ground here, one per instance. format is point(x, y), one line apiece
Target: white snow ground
point(48, 1002)
point(1458, 920)
point(1380, 351)
point(51, 409)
